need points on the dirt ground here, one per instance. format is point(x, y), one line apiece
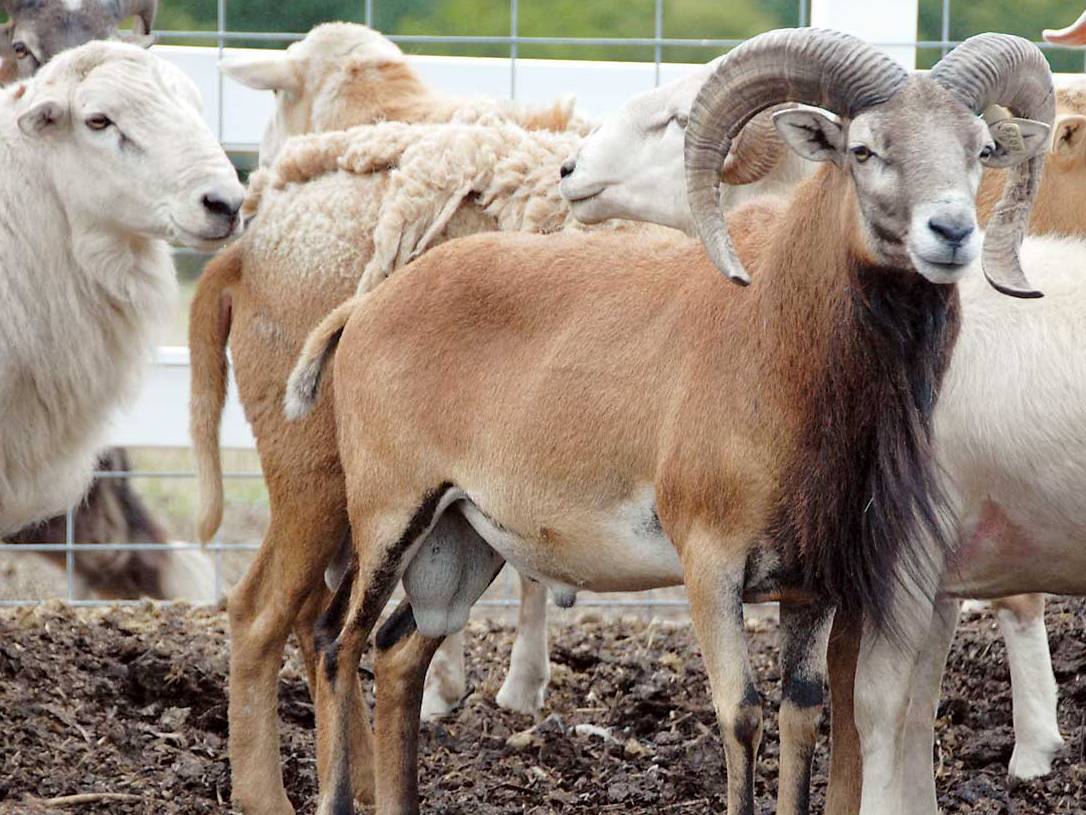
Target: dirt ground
point(132, 702)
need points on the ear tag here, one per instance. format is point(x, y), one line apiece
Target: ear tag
point(1009, 136)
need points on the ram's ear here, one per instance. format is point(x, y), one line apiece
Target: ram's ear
point(270, 73)
point(813, 134)
point(1016, 141)
point(42, 116)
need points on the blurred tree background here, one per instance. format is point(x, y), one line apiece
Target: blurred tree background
point(687, 19)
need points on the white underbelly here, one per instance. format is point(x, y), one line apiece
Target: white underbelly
point(620, 549)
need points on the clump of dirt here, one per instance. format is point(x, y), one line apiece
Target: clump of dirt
point(132, 702)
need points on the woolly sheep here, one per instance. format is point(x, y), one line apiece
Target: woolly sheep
point(346, 74)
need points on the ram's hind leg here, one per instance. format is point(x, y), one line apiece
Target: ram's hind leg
point(714, 579)
point(804, 633)
point(449, 573)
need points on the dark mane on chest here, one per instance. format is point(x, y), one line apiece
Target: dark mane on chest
point(863, 496)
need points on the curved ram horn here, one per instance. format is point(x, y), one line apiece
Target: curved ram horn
point(1004, 70)
point(1074, 34)
point(813, 66)
point(756, 151)
point(142, 10)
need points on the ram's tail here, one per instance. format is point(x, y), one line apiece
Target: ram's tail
point(209, 329)
point(305, 380)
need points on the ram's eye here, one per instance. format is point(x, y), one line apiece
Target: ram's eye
point(20, 49)
point(986, 151)
point(861, 153)
point(98, 122)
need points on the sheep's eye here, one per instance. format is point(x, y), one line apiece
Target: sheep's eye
point(986, 151)
point(20, 49)
point(861, 153)
point(98, 122)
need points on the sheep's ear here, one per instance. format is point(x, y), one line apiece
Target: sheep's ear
point(814, 135)
point(262, 73)
point(1016, 140)
point(43, 115)
point(1068, 139)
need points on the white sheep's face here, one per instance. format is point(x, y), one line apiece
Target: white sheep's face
point(632, 165)
point(916, 162)
point(126, 140)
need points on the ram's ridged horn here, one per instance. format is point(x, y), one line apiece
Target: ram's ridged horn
point(1074, 34)
point(828, 69)
point(756, 151)
point(1001, 69)
point(142, 10)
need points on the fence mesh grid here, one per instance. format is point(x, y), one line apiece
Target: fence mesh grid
point(223, 37)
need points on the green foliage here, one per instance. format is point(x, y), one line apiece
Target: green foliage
point(685, 19)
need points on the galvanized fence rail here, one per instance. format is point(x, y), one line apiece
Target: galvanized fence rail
point(223, 37)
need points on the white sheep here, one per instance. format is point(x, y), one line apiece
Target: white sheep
point(631, 166)
point(106, 158)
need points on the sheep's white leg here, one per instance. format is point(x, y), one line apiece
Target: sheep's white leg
point(884, 675)
point(919, 743)
point(529, 666)
point(1036, 730)
point(446, 681)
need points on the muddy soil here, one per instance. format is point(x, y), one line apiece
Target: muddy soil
point(132, 702)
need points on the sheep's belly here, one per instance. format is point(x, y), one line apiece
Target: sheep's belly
point(620, 549)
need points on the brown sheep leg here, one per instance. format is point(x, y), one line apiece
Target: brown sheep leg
point(400, 671)
point(846, 765)
point(288, 570)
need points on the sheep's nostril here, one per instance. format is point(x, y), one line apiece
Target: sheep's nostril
point(567, 168)
point(216, 205)
point(951, 231)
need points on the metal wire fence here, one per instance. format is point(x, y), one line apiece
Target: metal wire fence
point(223, 36)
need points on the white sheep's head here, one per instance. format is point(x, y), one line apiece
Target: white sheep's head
point(304, 72)
point(631, 166)
point(124, 140)
point(38, 30)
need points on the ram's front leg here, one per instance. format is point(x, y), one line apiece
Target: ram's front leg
point(714, 581)
point(805, 630)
